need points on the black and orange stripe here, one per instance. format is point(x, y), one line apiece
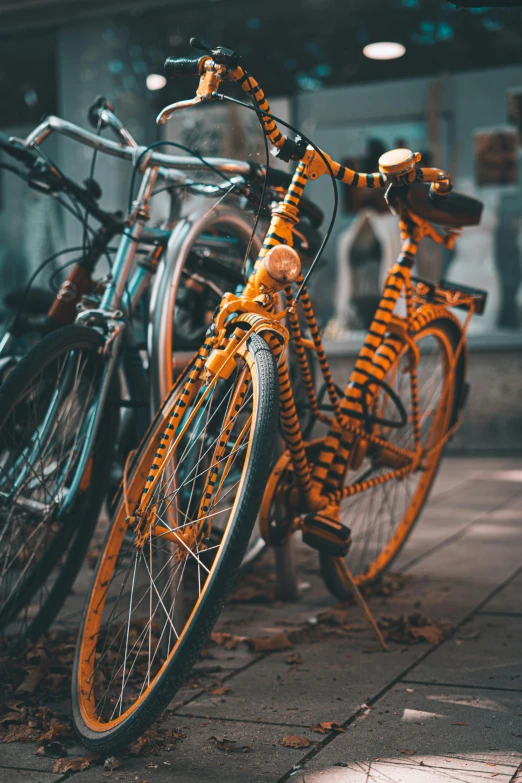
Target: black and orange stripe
point(184, 400)
point(251, 86)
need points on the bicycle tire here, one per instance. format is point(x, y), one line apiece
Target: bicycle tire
point(333, 570)
point(76, 532)
point(102, 732)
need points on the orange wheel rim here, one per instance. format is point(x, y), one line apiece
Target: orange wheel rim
point(92, 628)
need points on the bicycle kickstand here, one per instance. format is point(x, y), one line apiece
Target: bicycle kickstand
point(365, 609)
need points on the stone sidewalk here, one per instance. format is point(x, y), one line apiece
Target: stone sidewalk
point(421, 713)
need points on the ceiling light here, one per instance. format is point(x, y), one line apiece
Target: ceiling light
point(155, 81)
point(384, 50)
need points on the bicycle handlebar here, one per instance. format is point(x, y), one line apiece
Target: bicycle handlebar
point(219, 64)
point(54, 124)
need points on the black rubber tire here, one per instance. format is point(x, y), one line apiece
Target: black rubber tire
point(75, 540)
point(331, 568)
point(223, 577)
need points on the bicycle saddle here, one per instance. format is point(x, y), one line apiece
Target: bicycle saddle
point(455, 209)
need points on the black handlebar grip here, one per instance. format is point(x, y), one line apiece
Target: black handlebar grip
point(181, 66)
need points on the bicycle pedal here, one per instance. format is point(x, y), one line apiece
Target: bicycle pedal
point(326, 535)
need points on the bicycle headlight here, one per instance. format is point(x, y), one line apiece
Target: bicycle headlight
point(283, 264)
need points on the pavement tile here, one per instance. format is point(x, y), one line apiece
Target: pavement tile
point(507, 600)
point(481, 559)
point(22, 754)
point(453, 736)
point(195, 759)
point(10, 775)
point(336, 676)
point(487, 652)
point(467, 543)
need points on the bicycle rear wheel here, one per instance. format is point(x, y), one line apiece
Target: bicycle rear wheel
point(382, 517)
point(162, 579)
point(46, 405)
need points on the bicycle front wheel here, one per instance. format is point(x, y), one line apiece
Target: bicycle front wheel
point(162, 578)
point(382, 516)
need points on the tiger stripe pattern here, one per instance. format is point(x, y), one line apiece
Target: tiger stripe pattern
point(185, 398)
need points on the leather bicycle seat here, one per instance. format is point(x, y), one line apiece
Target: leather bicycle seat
point(454, 210)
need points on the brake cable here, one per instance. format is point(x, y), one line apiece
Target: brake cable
point(325, 160)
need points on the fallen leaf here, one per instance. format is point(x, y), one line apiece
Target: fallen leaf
point(387, 585)
point(294, 659)
point(227, 640)
point(413, 629)
point(57, 730)
point(228, 745)
point(220, 691)
point(73, 765)
point(292, 741)
point(276, 643)
point(33, 679)
point(138, 747)
point(21, 734)
point(459, 723)
point(326, 726)
point(409, 752)
point(334, 617)
point(430, 633)
point(10, 717)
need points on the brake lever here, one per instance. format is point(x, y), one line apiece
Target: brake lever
point(166, 113)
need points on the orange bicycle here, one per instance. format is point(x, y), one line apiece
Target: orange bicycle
point(355, 493)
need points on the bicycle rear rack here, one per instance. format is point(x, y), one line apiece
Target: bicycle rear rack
point(450, 294)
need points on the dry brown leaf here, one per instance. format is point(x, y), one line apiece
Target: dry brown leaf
point(293, 741)
point(57, 730)
point(326, 726)
point(35, 675)
point(220, 691)
point(21, 734)
point(73, 765)
point(408, 752)
point(11, 717)
point(276, 643)
point(227, 640)
point(413, 629)
point(294, 659)
point(139, 746)
point(228, 745)
point(430, 633)
point(334, 617)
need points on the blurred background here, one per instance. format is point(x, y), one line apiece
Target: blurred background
point(445, 81)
